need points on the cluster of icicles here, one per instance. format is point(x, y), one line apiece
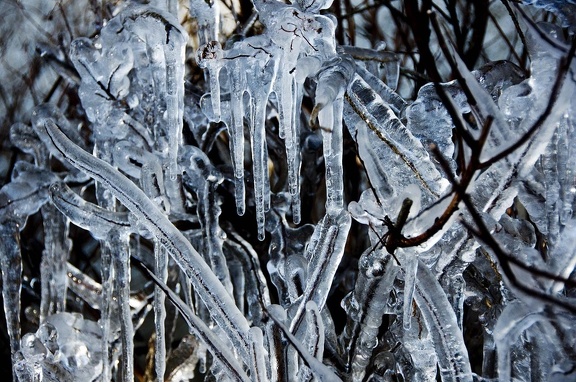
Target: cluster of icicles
point(298, 44)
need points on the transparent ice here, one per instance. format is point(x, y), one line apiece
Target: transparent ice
point(464, 214)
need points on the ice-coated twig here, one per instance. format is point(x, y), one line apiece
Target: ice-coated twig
point(107, 319)
point(394, 100)
point(314, 338)
point(99, 221)
point(321, 372)
point(324, 253)
point(365, 307)
point(120, 246)
point(207, 285)
point(443, 327)
point(410, 267)
point(203, 178)
point(395, 144)
point(53, 265)
point(218, 348)
point(255, 280)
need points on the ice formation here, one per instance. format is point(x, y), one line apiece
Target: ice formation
point(464, 210)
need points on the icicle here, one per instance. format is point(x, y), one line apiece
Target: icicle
point(236, 132)
point(218, 301)
point(11, 267)
point(107, 319)
point(161, 270)
point(119, 244)
point(410, 266)
point(174, 52)
point(203, 178)
point(260, 88)
point(209, 57)
point(289, 100)
point(329, 103)
point(53, 265)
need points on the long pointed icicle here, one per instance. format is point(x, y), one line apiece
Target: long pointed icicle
point(218, 301)
point(288, 90)
point(236, 132)
point(260, 91)
point(174, 50)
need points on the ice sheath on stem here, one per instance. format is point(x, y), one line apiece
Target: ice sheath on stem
point(217, 300)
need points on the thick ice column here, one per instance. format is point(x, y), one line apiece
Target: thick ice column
point(329, 104)
point(11, 266)
point(119, 243)
point(53, 265)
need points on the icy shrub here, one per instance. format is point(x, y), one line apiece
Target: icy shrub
point(266, 205)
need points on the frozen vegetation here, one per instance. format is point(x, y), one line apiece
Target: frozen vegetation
point(252, 192)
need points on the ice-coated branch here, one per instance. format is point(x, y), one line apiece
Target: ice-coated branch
point(218, 301)
point(324, 253)
point(443, 326)
point(217, 347)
